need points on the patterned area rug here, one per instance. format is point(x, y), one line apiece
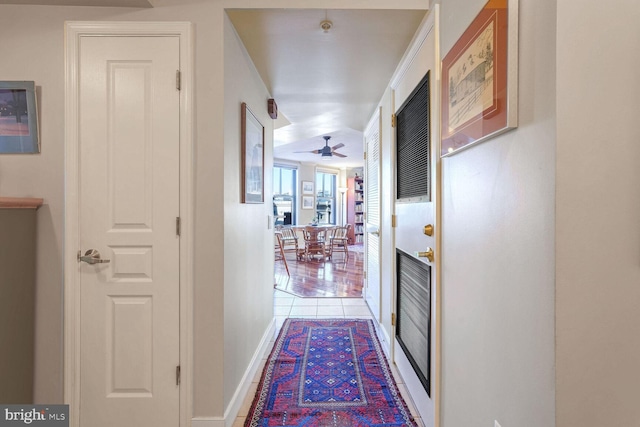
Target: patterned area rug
point(327, 373)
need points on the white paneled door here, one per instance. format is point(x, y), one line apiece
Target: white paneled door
point(129, 200)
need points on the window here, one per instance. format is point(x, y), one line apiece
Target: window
point(326, 197)
point(284, 195)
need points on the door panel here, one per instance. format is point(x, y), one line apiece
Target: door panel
point(128, 205)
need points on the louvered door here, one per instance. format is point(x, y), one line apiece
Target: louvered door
point(372, 209)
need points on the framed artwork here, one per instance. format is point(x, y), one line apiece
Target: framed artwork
point(480, 79)
point(252, 135)
point(18, 118)
point(307, 202)
point(307, 187)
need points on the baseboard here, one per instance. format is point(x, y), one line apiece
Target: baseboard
point(207, 422)
point(238, 397)
point(383, 335)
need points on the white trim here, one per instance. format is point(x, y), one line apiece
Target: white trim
point(410, 55)
point(327, 169)
point(207, 422)
point(73, 32)
point(384, 337)
point(241, 391)
point(437, 224)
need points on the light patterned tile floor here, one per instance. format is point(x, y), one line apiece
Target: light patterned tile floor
point(287, 305)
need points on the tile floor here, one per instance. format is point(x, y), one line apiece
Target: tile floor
point(287, 305)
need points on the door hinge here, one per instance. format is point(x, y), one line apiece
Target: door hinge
point(178, 375)
point(394, 220)
point(393, 319)
point(365, 155)
point(178, 79)
point(178, 226)
point(394, 120)
point(364, 274)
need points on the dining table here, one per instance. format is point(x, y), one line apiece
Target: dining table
point(315, 239)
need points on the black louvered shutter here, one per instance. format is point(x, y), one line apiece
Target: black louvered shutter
point(413, 145)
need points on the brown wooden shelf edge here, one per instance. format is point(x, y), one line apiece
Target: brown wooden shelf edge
point(20, 203)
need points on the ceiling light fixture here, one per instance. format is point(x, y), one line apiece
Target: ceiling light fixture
point(326, 24)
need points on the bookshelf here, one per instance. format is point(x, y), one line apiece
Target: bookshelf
point(355, 209)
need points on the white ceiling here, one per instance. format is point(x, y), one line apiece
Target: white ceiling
point(325, 83)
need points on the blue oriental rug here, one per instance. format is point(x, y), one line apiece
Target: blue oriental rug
point(327, 373)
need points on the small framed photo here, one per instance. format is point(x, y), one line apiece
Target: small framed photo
point(307, 187)
point(480, 79)
point(252, 135)
point(307, 202)
point(18, 118)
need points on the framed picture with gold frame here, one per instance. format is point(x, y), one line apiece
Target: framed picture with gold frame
point(480, 79)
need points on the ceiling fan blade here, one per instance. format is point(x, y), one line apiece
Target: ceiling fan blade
point(338, 154)
point(314, 151)
point(335, 147)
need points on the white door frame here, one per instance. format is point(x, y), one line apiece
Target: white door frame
point(374, 121)
point(74, 31)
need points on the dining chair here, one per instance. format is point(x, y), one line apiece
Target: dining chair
point(279, 252)
point(339, 241)
point(289, 240)
point(314, 242)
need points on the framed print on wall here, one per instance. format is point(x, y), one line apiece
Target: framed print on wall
point(307, 187)
point(307, 202)
point(480, 79)
point(18, 118)
point(252, 136)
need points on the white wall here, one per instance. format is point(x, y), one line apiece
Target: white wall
point(498, 246)
point(598, 214)
point(248, 236)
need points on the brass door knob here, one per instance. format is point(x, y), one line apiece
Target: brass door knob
point(428, 254)
point(428, 230)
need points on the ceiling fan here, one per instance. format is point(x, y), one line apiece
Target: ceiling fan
point(327, 151)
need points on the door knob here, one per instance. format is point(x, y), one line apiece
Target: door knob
point(428, 230)
point(92, 256)
point(428, 254)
